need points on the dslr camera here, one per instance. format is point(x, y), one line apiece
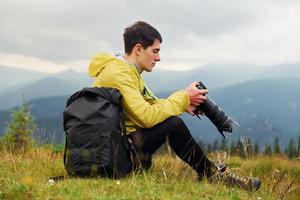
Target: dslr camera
point(215, 114)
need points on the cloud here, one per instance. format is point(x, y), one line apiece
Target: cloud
point(37, 64)
point(269, 40)
point(195, 32)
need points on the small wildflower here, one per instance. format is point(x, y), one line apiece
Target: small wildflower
point(118, 182)
point(51, 182)
point(258, 198)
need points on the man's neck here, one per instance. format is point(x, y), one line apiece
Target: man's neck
point(132, 60)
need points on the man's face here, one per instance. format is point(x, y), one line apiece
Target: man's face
point(149, 56)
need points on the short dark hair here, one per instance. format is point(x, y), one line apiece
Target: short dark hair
point(140, 33)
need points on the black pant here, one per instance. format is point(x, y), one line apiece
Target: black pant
point(147, 141)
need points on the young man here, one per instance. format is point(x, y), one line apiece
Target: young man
point(150, 121)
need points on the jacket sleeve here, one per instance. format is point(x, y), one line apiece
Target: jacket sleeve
point(137, 109)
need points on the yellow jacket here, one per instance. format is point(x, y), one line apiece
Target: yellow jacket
point(141, 107)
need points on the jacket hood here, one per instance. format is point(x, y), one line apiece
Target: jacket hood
point(100, 61)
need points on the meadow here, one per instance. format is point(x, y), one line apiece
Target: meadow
point(25, 176)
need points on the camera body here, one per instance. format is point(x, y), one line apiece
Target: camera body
point(215, 114)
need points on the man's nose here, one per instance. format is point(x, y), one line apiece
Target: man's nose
point(157, 58)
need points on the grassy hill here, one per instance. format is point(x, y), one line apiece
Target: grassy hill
point(26, 177)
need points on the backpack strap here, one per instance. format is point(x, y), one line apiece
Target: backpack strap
point(122, 121)
point(65, 156)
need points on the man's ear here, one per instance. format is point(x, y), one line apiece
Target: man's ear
point(137, 49)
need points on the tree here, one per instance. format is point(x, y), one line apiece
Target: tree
point(267, 150)
point(21, 126)
point(223, 145)
point(256, 148)
point(208, 148)
point(232, 149)
point(291, 149)
point(240, 149)
point(277, 150)
point(215, 146)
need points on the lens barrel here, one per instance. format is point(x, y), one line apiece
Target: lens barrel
point(215, 114)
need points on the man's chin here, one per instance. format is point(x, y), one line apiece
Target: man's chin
point(149, 70)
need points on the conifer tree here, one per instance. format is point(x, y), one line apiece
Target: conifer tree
point(215, 145)
point(21, 126)
point(291, 149)
point(277, 150)
point(208, 148)
point(267, 150)
point(232, 149)
point(223, 145)
point(256, 148)
point(240, 149)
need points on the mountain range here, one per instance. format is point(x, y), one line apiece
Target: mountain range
point(16, 83)
point(217, 75)
point(265, 103)
point(41, 85)
point(263, 109)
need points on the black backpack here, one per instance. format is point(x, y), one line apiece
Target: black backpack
point(96, 142)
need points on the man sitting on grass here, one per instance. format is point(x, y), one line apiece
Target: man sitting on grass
point(150, 121)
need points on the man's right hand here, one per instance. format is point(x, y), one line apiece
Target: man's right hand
point(196, 96)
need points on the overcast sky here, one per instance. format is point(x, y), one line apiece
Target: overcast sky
point(54, 35)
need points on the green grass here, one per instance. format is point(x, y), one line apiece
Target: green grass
point(26, 177)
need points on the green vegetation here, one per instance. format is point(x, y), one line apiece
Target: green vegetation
point(244, 148)
point(25, 176)
point(21, 126)
point(24, 171)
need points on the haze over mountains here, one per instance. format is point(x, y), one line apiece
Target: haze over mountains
point(217, 75)
point(17, 82)
point(265, 103)
point(39, 86)
point(12, 77)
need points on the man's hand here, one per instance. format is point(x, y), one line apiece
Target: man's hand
point(196, 96)
point(191, 110)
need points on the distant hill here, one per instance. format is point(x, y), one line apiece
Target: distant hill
point(280, 71)
point(214, 76)
point(263, 108)
point(13, 76)
point(64, 83)
point(15, 82)
point(217, 75)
